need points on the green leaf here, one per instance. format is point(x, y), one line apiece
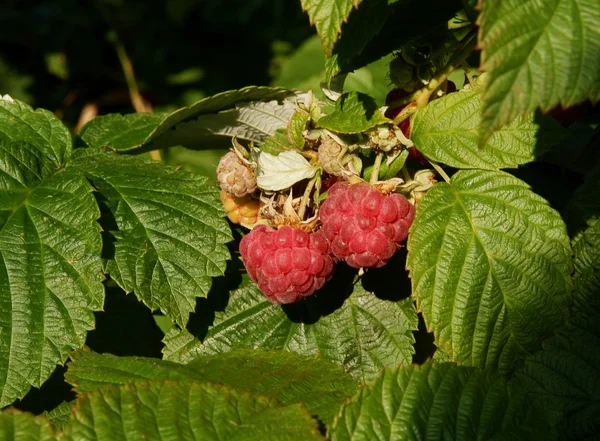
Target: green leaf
point(60, 416)
point(447, 131)
point(168, 226)
point(20, 426)
point(586, 247)
point(537, 54)
point(119, 132)
point(217, 117)
point(186, 411)
point(328, 16)
point(277, 143)
point(354, 112)
point(438, 401)
point(586, 197)
point(380, 27)
point(363, 335)
point(39, 128)
point(50, 269)
point(253, 121)
point(564, 377)
point(296, 128)
point(490, 263)
point(287, 377)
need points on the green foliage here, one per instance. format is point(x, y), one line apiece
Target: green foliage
point(438, 401)
point(447, 131)
point(354, 113)
point(564, 377)
point(509, 290)
point(328, 17)
point(363, 335)
point(289, 378)
point(160, 221)
point(50, 271)
point(486, 255)
point(537, 55)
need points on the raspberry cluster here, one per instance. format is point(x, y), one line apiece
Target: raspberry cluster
point(363, 226)
point(287, 264)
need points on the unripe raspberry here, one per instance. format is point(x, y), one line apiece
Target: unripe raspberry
point(363, 226)
point(287, 264)
point(240, 210)
point(234, 176)
point(329, 152)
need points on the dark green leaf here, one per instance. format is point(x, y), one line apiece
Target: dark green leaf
point(328, 16)
point(354, 112)
point(120, 132)
point(447, 131)
point(50, 270)
point(490, 263)
point(39, 128)
point(213, 118)
point(564, 377)
point(438, 401)
point(169, 230)
point(586, 247)
point(363, 335)
point(287, 377)
point(186, 411)
point(538, 54)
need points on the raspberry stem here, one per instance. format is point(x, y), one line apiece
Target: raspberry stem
point(404, 114)
point(306, 197)
point(440, 170)
point(376, 167)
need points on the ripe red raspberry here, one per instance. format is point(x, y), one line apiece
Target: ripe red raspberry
point(363, 226)
point(287, 264)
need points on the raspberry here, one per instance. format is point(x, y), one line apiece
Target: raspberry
point(363, 226)
point(329, 152)
point(287, 264)
point(240, 210)
point(235, 177)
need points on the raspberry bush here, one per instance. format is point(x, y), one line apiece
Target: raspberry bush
point(400, 242)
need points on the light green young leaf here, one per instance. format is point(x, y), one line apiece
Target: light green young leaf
point(564, 377)
point(354, 112)
point(218, 116)
point(169, 230)
point(287, 377)
point(21, 426)
point(277, 143)
point(50, 269)
point(296, 128)
point(279, 172)
point(364, 335)
point(328, 16)
point(490, 263)
point(438, 401)
point(537, 54)
point(186, 411)
point(447, 131)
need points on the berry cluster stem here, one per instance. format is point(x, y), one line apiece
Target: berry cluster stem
point(404, 114)
point(306, 197)
point(464, 49)
point(376, 167)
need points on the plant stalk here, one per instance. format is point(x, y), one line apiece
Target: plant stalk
point(376, 167)
point(306, 197)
